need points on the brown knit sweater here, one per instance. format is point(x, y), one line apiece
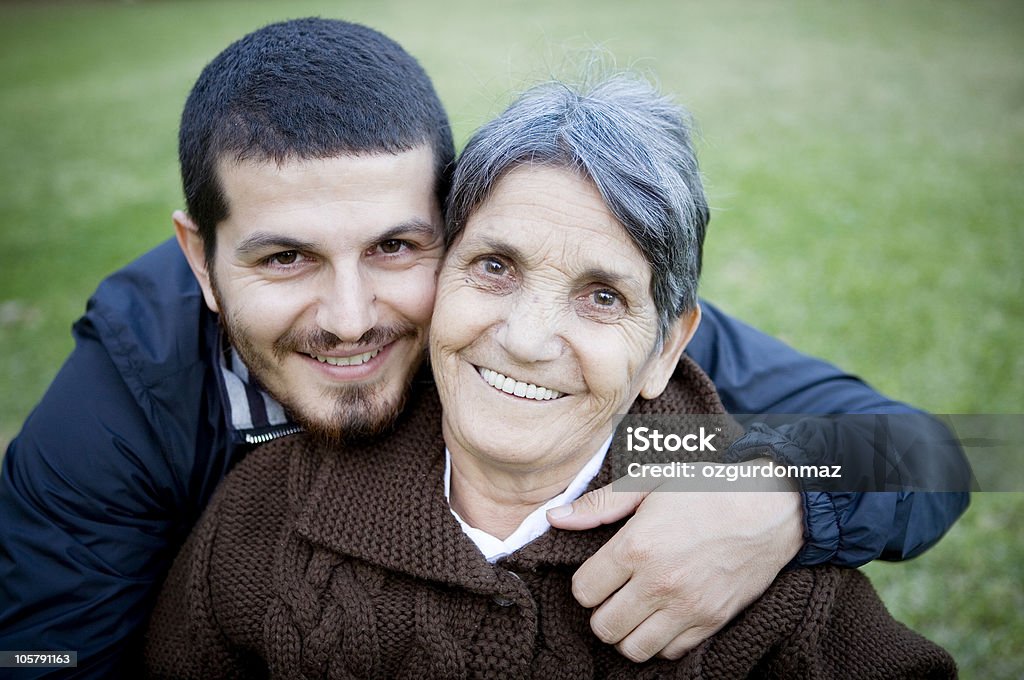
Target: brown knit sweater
point(313, 563)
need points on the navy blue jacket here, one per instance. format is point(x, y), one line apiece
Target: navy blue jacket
point(148, 413)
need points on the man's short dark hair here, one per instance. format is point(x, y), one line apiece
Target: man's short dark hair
point(305, 89)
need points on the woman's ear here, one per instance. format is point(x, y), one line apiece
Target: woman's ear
point(191, 244)
point(678, 336)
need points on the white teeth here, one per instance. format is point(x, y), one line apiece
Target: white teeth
point(517, 387)
point(347, 361)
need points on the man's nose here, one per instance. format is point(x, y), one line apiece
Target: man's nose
point(348, 304)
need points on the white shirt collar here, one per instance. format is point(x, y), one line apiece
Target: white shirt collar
point(536, 523)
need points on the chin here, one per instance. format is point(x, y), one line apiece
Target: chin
point(499, 447)
point(352, 413)
point(354, 422)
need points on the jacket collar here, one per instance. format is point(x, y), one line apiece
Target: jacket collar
point(252, 415)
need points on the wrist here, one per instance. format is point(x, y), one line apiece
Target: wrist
point(820, 530)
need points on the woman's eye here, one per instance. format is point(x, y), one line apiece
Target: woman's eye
point(391, 246)
point(605, 298)
point(602, 304)
point(493, 267)
point(493, 273)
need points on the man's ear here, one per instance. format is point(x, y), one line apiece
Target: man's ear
point(676, 339)
point(192, 245)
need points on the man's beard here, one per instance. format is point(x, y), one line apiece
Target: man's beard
point(359, 411)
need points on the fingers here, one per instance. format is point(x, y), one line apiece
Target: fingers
point(600, 506)
point(654, 637)
point(686, 641)
point(644, 621)
point(622, 613)
point(600, 577)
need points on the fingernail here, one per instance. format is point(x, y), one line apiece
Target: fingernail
point(560, 512)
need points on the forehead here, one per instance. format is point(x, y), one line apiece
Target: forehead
point(553, 214)
point(347, 191)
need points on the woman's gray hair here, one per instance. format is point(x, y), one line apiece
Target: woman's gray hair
point(632, 142)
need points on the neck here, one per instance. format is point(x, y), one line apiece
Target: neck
point(496, 497)
point(498, 510)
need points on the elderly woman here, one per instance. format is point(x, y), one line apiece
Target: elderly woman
point(575, 227)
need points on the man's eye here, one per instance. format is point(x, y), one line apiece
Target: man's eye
point(284, 259)
point(391, 246)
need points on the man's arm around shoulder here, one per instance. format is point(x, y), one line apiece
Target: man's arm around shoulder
point(758, 374)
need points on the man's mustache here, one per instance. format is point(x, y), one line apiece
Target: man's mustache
point(319, 341)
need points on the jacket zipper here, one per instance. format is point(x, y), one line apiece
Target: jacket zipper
point(270, 436)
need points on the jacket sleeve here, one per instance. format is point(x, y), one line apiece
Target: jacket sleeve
point(88, 502)
point(757, 374)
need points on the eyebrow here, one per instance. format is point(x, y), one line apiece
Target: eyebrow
point(262, 240)
point(609, 277)
point(501, 248)
point(414, 226)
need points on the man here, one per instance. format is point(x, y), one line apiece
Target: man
point(314, 159)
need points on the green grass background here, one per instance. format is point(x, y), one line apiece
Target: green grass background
point(864, 163)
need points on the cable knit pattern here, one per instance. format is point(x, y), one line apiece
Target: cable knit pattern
point(313, 563)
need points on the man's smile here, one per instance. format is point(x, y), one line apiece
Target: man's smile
point(347, 366)
point(354, 360)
